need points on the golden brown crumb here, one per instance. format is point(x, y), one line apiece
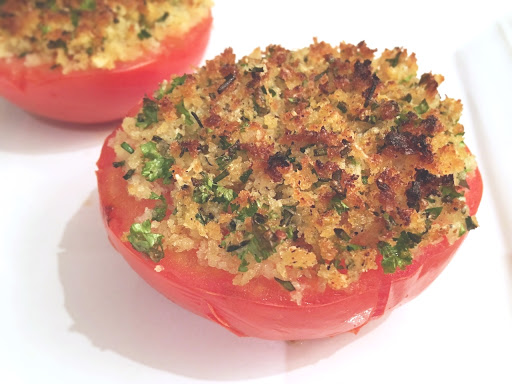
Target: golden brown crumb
point(302, 164)
point(79, 34)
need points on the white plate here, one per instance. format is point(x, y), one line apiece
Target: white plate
point(73, 311)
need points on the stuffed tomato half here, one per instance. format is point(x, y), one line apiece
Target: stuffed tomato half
point(291, 194)
point(91, 61)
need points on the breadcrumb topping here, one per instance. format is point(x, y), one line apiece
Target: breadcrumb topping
point(81, 34)
point(316, 164)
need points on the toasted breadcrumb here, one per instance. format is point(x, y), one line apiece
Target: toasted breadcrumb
point(317, 164)
point(80, 34)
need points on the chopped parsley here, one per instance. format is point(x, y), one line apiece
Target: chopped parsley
point(157, 166)
point(433, 213)
point(398, 256)
point(143, 240)
point(184, 111)
point(338, 205)
point(422, 107)
point(160, 209)
point(149, 114)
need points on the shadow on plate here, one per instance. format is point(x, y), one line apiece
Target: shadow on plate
point(24, 133)
point(116, 310)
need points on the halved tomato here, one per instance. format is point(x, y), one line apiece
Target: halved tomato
point(260, 308)
point(99, 95)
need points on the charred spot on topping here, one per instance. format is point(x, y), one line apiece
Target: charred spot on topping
point(389, 110)
point(212, 121)
point(430, 125)
point(306, 160)
point(425, 185)
point(430, 84)
point(276, 161)
point(81, 34)
point(409, 144)
point(369, 93)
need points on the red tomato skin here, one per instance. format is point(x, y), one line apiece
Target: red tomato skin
point(99, 95)
point(262, 308)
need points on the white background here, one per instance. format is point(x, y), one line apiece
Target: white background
point(72, 311)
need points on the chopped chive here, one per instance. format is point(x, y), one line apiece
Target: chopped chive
point(407, 98)
point(127, 147)
point(129, 174)
point(196, 118)
point(221, 176)
point(285, 284)
point(163, 17)
point(245, 176)
point(117, 164)
point(342, 106)
point(228, 80)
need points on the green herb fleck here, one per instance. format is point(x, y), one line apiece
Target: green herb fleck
point(285, 284)
point(127, 147)
point(143, 34)
point(398, 256)
point(183, 111)
point(338, 205)
point(129, 174)
point(143, 240)
point(341, 234)
point(163, 17)
point(433, 213)
point(245, 176)
point(149, 114)
point(88, 5)
point(394, 61)
point(342, 106)
point(364, 179)
point(117, 164)
point(160, 209)
point(422, 107)
point(470, 224)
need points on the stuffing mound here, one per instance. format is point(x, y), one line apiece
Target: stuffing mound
point(320, 163)
point(81, 34)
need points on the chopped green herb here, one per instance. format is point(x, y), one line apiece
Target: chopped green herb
point(285, 284)
point(470, 224)
point(450, 193)
point(75, 17)
point(224, 195)
point(245, 176)
point(342, 106)
point(176, 82)
point(243, 265)
point(354, 247)
point(224, 143)
point(127, 147)
point(129, 174)
point(204, 219)
point(372, 119)
point(221, 176)
point(272, 92)
point(422, 107)
point(394, 61)
point(88, 5)
point(407, 98)
point(248, 211)
point(287, 213)
point(338, 205)
point(149, 114)
point(143, 240)
point(163, 17)
point(293, 99)
point(117, 164)
point(398, 256)
point(143, 34)
point(433, 213)
point(183, 111)
point(158, 166)
point(160, 209)
point(364, 179)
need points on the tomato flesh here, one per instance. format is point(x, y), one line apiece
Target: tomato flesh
point(99, 95)
point(262, 308)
